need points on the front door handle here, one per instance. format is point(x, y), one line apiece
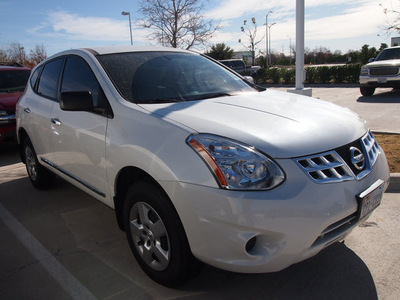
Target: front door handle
point(56, 121)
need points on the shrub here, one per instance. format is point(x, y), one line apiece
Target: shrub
point(274, 75)
point(311, 75)
point(324, 74)
point(288, 75)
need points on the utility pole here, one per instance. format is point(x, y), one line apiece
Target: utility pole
point(299, 89)
point(266, 37)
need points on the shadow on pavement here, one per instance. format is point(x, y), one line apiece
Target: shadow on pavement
point(386, 97)
point(335, 273)
point(8, 153)
point(84, 236)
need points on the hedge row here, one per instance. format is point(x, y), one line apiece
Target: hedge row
point(321, 74)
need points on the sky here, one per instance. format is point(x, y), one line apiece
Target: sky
point(60, 25)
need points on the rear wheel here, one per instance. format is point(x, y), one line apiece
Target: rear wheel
point(156, 235)
point(40, 177)
point(367, 91)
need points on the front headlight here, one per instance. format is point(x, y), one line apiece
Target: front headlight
point(364, 71)
point(235, 165)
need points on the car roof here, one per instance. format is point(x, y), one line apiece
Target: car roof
point(122, 49)
point(119, 49)
point(12, 66)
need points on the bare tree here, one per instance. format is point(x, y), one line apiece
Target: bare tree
point(251, 33)
point(394, 15)
point(178, 23)
point(17, 53)
point(38, 54)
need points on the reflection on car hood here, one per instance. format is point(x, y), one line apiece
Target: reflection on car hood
point(281, 124)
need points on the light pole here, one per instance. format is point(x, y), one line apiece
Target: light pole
point(269, 42)
point(127, 13)
point(266, 36)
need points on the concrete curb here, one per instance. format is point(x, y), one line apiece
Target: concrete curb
point(394, 186)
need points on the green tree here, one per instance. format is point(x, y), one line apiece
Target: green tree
point(367, 53)
point(220, 51)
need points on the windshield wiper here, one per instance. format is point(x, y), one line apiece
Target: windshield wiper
point(211, 95)
point(160, 100)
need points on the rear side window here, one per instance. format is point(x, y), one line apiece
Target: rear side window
point(49, 79)
point(34, 77)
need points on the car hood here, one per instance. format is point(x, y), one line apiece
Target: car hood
point(384, 63)
point(282, 125)
point(8, 101)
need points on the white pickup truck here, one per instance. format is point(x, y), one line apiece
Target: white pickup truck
point(240, 67)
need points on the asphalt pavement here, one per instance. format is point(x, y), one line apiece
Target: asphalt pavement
point(64, 244)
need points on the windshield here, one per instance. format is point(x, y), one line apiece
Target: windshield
point(162, 77)
point(13, 80)
point(387, 54)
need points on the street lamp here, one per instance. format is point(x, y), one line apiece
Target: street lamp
point(269, 42)
point(127, 13)
point(266, 36)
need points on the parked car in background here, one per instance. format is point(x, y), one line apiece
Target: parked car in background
point(384, 71)
point(198, 163)
point(13, 79)
point(239, 66)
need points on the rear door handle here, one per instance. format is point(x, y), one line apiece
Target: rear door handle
point(56, 121)
point(27, 110)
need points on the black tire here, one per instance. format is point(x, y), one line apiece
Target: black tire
point(367, 91)
point(156, 235)
point(40, 177)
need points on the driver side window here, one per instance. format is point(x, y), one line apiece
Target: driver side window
point(78, 77)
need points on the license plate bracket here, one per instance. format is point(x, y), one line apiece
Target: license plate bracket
point(370, 199)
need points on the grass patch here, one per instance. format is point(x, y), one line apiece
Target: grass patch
point(390, 143)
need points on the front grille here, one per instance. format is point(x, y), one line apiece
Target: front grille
point(386, 71)
point(325, 167)
point(337, 165)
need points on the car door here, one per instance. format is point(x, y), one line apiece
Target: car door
point(37, 105)
point(80, 140)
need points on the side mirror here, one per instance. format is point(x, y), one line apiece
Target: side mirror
point(76, 101)
point(371, 60)
point(249, 78)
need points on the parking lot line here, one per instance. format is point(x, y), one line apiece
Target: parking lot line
point(67, 281)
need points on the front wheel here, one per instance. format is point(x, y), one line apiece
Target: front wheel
point(156, 235)
point(367, 91)
point(40, 177)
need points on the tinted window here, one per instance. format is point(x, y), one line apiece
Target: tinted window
point(13, 80)
point(78, 77)
point(153, 77)
point(49, 79)
point(386, 54)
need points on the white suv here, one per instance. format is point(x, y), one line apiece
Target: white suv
point(198, 163)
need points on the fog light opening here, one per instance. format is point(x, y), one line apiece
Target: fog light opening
point(251, 244)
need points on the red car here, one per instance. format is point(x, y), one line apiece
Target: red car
point(13, 79)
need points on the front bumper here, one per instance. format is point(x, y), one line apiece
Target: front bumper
point(267, 231)
point(380, 81)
